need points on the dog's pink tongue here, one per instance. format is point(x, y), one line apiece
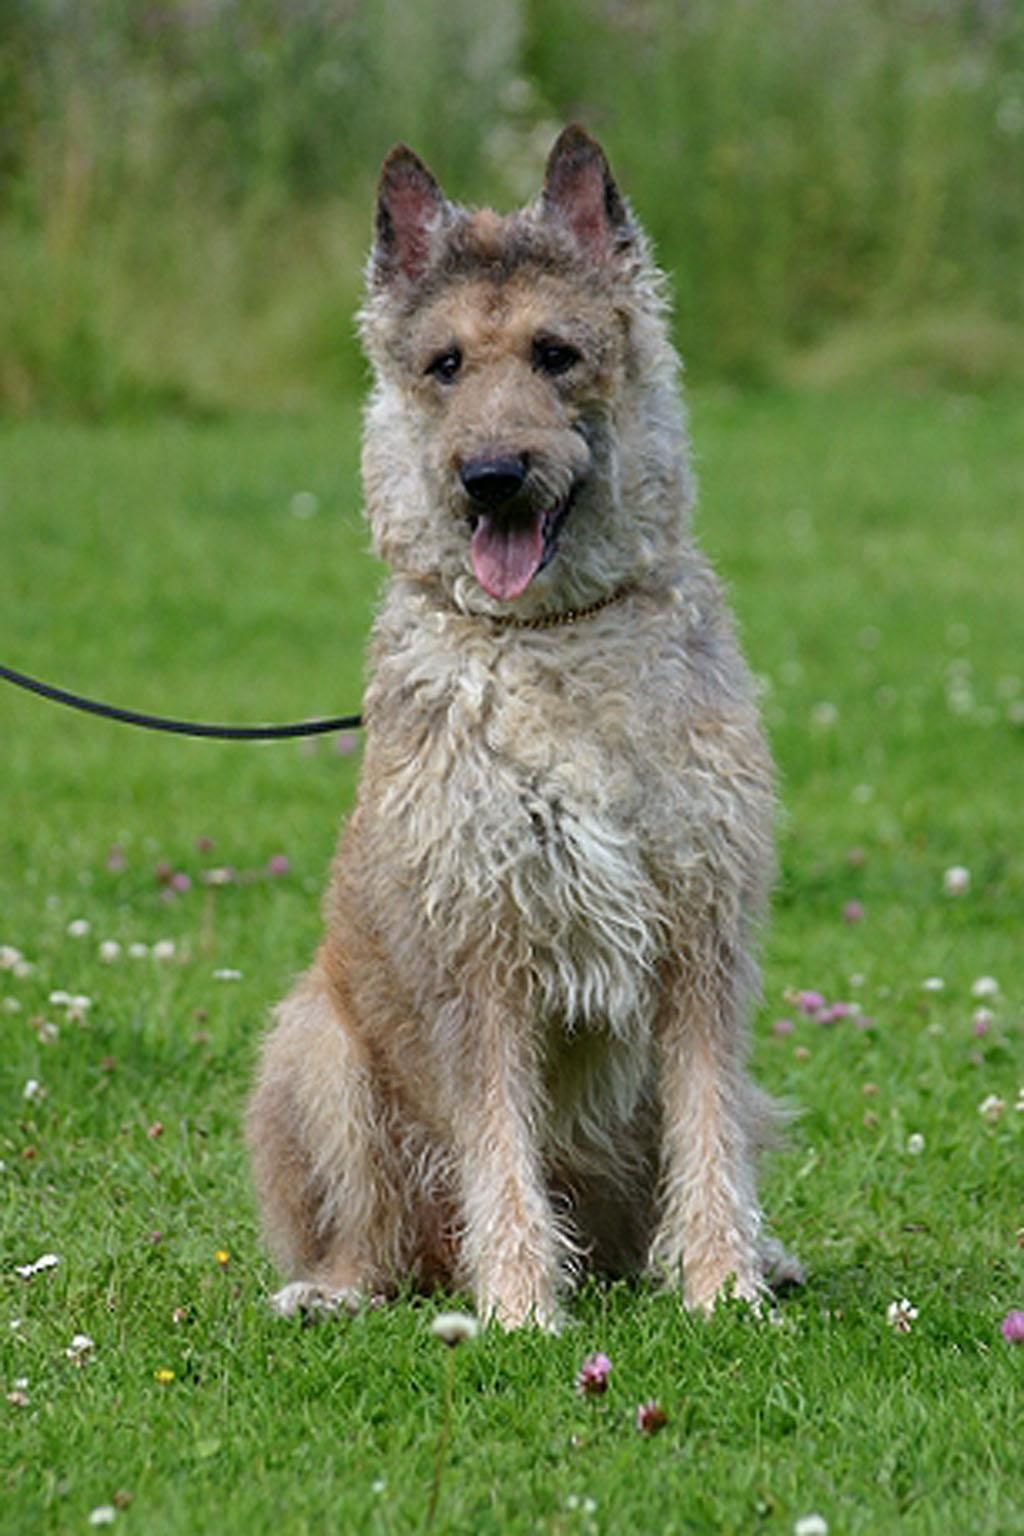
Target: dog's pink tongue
point(506, 554)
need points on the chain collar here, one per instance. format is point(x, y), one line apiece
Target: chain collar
point(556, 620)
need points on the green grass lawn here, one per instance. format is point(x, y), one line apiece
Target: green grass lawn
point(875, 553)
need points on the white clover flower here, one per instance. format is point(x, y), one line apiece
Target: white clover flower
point(33, 1090)
point(454, 1327)
point(110, 951)
point(164, 949)
point(933, 984)
point(985, 986)
point(46, 1261)
point(225, 973)
point(79, 927)
point(991, 1107)
point(9, 957)
point(915, 1144)
point(103, 1514)
point(1019, 1106)
point(60, 999)
point(138, 951)
point(956, 881)
point(220, 876)
point(304, 504)
point(47, 1033)
point(900, 1315)
point(80, 1348)
point(811, 1525)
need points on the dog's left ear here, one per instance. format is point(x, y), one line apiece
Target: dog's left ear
point(410, 208)
point(580, 192)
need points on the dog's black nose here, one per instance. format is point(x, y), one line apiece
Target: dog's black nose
point(491, 482)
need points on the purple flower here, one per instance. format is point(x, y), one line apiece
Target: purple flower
point(1013, 1327)
point(180, 881)
point(810, 1002)
point(981, 1022)
point(650, 1417)
point(783, 1027)
point(592, 1377)
point(832, 1013)
point(853, 912)
point(279, 864)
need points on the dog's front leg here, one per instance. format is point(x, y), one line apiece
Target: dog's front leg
point(510, 1245)
point(713, 1120)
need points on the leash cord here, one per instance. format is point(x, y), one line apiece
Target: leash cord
point(180, 727)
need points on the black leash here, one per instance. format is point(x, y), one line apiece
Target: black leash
point(181, 727)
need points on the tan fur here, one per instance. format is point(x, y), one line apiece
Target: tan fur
point(521, 1048)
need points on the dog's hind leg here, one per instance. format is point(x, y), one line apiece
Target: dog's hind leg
point(323, 1167)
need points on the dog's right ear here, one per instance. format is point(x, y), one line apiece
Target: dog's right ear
point(410, 208)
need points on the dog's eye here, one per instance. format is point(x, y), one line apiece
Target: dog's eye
point(445, 365)
point(554, 357)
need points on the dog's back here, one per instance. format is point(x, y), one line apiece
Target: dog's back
point(522, 1044)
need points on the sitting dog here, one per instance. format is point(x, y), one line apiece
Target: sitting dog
point(520, 1051)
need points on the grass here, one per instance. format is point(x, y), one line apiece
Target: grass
point(874, 549)
point(799, 166)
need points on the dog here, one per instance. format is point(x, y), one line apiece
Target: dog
point(520, 1052)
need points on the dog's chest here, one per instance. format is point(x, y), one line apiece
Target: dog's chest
point(521, 817)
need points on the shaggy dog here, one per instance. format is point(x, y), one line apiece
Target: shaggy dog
point(520, 1051)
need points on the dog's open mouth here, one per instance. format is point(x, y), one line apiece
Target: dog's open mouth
point(507, 549)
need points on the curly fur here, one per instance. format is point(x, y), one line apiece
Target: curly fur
point(521, 1048)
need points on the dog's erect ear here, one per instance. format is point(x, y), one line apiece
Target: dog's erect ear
point(410, 207)
point(580, 192)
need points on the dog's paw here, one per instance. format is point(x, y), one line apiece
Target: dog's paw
point(311, 1302)
point(782, 1270)
point(512, 1313)
point(706, 1292)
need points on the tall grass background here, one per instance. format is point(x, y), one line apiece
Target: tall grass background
point(185, 185)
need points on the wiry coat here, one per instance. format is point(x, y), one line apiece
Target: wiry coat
point(521, 1048)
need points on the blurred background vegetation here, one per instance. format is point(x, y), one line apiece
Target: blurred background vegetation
point(836, 186)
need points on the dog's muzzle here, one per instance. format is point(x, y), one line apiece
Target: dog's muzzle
point(511, 540)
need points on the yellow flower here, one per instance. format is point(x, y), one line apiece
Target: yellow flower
point(164, 1376)
point(222, 1257)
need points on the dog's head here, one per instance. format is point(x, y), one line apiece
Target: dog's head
point(524, 442)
